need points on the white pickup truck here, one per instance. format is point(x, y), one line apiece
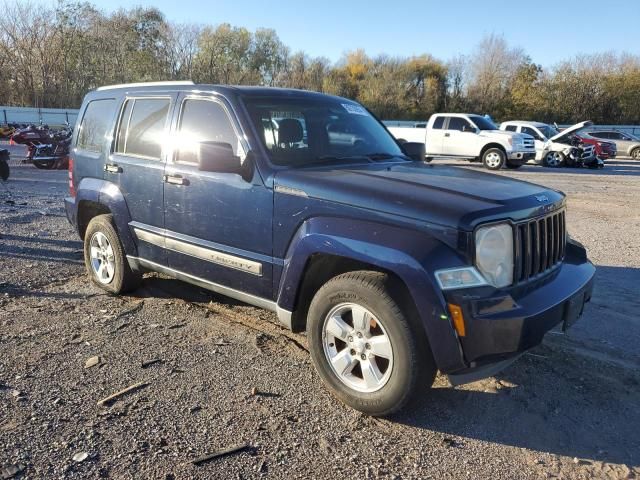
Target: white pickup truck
point(473, 137)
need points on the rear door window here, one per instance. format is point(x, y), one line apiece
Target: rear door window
point(95, 124)
point(438, 123)
point(141, 129)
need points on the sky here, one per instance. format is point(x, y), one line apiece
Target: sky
point(549, 31)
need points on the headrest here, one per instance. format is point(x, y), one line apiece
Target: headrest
point(289, 131)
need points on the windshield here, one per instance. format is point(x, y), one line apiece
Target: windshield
point(483, 123)
point(304, 131)
point(548, 131)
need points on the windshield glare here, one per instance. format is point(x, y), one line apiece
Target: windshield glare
point(483, 123)
point(304, 131)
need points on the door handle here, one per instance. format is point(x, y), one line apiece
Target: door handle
point(447, 134)
point(176, 180)
point(112, 168)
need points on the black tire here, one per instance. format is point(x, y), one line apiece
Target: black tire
point(4, 170)
point(494, 158)
point(554, 160)
point(635, 153)
point(412, 368)
point(428, 159)
point(513, 166)
point(124, 279)
point(44, 164)
point(570, 162)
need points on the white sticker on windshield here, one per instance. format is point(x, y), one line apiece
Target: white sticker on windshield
point(355, 109)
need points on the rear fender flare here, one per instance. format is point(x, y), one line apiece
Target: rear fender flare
point(109, 195)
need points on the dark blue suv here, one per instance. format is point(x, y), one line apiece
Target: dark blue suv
point(304, 204)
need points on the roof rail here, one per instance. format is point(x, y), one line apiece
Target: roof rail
point(145, 84)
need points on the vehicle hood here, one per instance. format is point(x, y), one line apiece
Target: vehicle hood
point(562, 136)
point(449, 196)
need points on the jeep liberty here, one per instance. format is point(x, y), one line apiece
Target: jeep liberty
point(304, 204)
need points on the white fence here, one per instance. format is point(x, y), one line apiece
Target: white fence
point(50, 116)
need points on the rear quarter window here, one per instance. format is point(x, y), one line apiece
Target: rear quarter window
point(95, 124)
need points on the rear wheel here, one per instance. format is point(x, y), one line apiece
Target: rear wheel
point(44, 164)
point(635, 153)
point(494, 159)
point(105, 259)
point(554, 159)
point(366, 351)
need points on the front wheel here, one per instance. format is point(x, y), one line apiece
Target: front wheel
point(554, 160)
point(494, 159)
point(105, 259)
point(367, 352)
point(635, 153)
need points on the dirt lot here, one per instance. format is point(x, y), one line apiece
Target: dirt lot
point(569, 409)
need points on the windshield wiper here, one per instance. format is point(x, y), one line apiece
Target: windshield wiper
point(377, 156)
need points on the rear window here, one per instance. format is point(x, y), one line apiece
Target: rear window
point(95, 123)
point(141, 127)
point(511, 128)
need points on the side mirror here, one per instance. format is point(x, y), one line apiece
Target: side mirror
point(218, 157)
point(414, 150)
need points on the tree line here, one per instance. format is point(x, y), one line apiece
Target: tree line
point(52, 56)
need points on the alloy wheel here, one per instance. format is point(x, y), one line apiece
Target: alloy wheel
point(357, 347)
point(102, 258)
point(554, 159)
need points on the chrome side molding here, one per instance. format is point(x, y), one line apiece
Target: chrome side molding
point(210, 255)
point(284, 316)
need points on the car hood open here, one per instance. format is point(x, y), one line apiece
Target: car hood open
point(562, 136)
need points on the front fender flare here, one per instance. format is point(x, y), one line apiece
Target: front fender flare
point(411, 255)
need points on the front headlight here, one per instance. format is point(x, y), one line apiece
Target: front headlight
point(494, 254)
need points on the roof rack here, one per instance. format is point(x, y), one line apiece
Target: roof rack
point(146, 84)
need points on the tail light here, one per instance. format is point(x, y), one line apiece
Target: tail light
point(72, 187)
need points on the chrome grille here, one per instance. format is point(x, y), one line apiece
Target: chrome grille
point(588, 151)
point(540, 245)
point(529, 143)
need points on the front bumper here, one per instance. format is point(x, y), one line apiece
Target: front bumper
point(502, 324)
point(524, 156)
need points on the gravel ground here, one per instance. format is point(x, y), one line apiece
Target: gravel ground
point(218, 374)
